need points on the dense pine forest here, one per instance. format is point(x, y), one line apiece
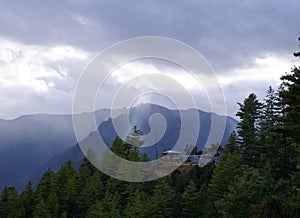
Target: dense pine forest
point(257, 174)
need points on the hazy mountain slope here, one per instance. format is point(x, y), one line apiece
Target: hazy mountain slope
point(140, 116)
point(28, 142)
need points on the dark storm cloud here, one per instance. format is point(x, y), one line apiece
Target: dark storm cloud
point(226, 32)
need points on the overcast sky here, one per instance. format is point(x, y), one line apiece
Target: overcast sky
point(45, 45)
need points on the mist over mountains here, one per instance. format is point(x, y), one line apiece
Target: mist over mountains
point(31, 144)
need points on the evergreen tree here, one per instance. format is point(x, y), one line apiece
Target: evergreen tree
point(134, 137)
point(136, 206)
point(290, 95)
point(270, 116)
point(120, 148)
point(41, 210)
point(271, 140)
point(228, 167)
point(86, 169)
point(289, 136)
point(270, 207)
point(290, 101)
point(271, 110)
point(281, 154)
point(246, 190)
point(108, 207)
point(203, 202)
point(27, 200)
point(46, 193)
point(66, 182)
point(292, 195)
point(232, 145)
point(134, 141)
point(9, 202)
point(190, 201)
point(160, 204)
point(249, 114)
point(47, 185)
point(92, 191)
point(121, 187)
point(111, 164)
point(53, 204)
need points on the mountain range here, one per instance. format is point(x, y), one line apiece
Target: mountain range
point(32, 144)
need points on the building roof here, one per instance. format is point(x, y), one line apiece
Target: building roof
point(171, 152)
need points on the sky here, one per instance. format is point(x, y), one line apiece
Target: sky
point(46, 45)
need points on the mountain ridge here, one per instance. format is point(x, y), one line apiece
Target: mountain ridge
point(38, 142)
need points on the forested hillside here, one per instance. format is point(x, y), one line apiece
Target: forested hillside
point(257, 174)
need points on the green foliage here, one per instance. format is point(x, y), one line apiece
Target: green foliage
point(203, 202)
point(9, 202)
point(134, 137)
point(245, 191)
point(292, 202)
point(290, 95)
point(249, 114)
point(41, 210)
point(93, 190)
point(27, 200)
point(190, 201)
point(270, 207)
point(227, 168)
point(120, 148)
point(136, 206)
point(66, 184)
point(47, 185)
point(160, 203)
point(134, 141)
point(108, 207)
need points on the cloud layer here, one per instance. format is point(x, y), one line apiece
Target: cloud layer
point(44, 46)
